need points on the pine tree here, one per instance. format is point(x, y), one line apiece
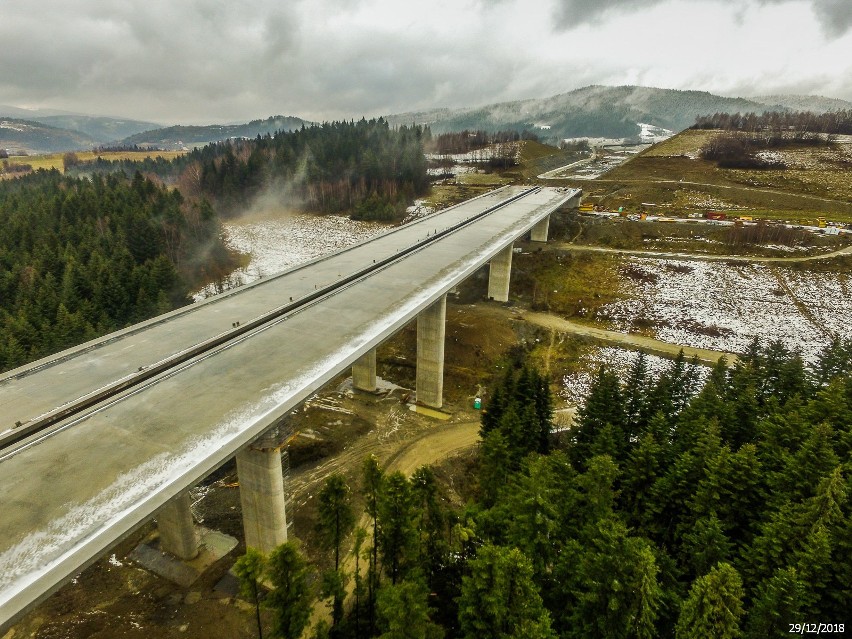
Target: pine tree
point(335, 517)
point(397, 536)
point(778, 604)
point(604, 406)
point(612, 591)
point(713, 609)
point(499, 598)
point(373, 478)
point(404, 612)
point(290, 597)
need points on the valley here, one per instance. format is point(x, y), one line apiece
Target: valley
point(604, 289)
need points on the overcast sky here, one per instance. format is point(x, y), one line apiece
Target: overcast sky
point(201, 61)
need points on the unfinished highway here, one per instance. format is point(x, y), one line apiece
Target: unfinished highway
point(100, 438)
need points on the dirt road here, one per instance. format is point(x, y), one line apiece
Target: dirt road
point(434, 447)
point(628, 340)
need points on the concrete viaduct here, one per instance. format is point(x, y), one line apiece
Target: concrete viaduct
point(135, 419)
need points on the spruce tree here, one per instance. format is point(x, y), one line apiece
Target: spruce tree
point(713, 609)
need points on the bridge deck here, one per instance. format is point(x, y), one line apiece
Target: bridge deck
point(73, 495)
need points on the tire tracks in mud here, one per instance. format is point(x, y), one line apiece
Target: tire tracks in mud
point(800, 305)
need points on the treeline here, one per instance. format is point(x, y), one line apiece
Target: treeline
point(465, 141)
point(743, 151)
point(746, 135)
point(671, 509)
point(791, 122)
point(15, 167)
point(80, 258)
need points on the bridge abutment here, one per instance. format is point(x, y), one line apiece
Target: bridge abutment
point(431, 328)
point(364, 372)
point(177, 530)
point(499, 274)
point(540, 230)
point(262, 495)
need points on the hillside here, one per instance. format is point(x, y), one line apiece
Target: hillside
point(179, 136)
point(815, 103)
point(602, 111)
point(814, 181)
point(102, 129)
point(35, 137)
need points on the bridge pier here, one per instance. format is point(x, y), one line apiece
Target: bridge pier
point(499, 274)
point(177, 530)
point(431, 328)
point(540, 230)
point(262, 495)
point(364, 372)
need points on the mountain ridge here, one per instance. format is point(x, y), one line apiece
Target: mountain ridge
point(598, 110)
point(592, 111)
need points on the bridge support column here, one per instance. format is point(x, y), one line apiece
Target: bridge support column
point(499, 274)
point(539, 231)
point(431, 327)
point(364, 372)
point(177, 530)
point(262, 496)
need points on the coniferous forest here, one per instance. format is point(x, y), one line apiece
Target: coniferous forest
point(365, 168)
point(83, 257)
point(671, 509)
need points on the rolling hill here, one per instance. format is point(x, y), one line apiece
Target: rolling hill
point(605, 111)
point(32, 137)
point(174, 137)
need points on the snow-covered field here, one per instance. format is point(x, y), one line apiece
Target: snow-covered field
point(723, 307)
point(279, 240)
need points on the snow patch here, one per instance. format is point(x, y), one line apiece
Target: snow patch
point(723, 307)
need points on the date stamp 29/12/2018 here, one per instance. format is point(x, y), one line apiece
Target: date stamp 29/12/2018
point(817, 628)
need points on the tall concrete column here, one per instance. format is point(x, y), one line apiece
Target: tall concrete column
point(499, 274)
point(364, 372)
point(539, 231)
point(262, 497)
point(431, 327)
point(177, 531)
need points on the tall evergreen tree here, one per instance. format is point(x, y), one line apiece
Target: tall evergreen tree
point(713, 609)
point(290, 598)
point(499, 598)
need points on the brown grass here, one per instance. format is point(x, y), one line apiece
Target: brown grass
point(54, 160)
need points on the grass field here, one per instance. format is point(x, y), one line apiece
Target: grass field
point(817, 182)
point(54, 160)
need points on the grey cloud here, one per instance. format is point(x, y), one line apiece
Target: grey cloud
point(574, 12)
point(834, 15)
point(191, 53)
point(199, 61)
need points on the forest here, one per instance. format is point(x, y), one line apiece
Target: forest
point(673, 508)
point(80, 258)
point(365, 169)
